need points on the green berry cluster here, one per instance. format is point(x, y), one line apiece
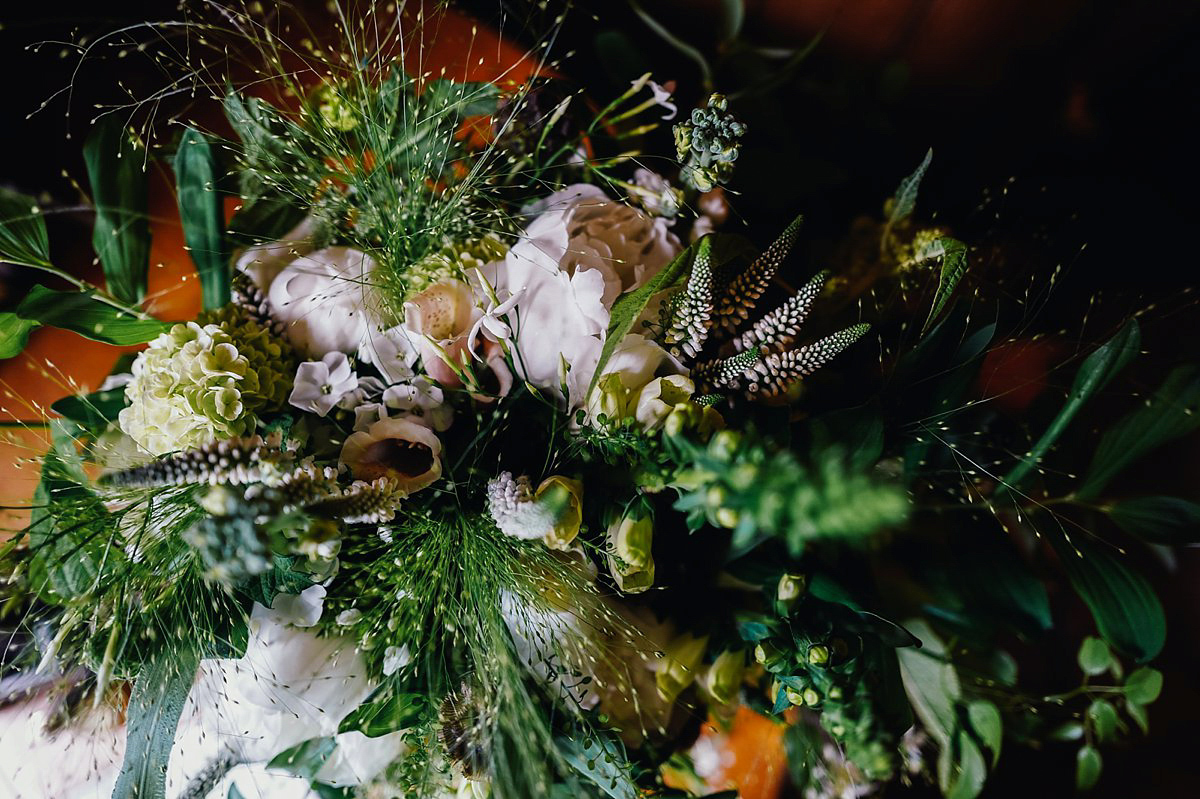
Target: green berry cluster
point(707, 144)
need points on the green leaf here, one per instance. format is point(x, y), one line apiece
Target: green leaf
point(600, 760)
point(91, 411)
point(14, 334)
point(1094, 656)
point(23, 238)
point(733, 14)
point(155, 706)
point(1173, 411)
point(803, 745)
point(931, 683)
point(121, 236)
point(1097, 369)
point(966, 773)
point(1087, 768)
point(268, 218)
point(83, 313)
point(1160, 520)
point(305, 759)
point(382, 716)
point(954, 266)
point(904, 201)
point(988, 725)
point(1103, 718)
point(202, 215)
point(1144, 686)
point(629, 307)
point(1139, 715)
point(1127, 612)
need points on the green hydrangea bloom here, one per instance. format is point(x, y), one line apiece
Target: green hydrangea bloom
point(205, 380)
point(453, 260)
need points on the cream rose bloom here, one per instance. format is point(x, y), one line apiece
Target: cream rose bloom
point(323, 300)
point(574, 260)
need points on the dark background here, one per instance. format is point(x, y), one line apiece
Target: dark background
point(1054, 125)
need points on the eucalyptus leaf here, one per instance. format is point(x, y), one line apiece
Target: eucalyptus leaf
point(1171, 521)
point(1087, 768)
point(1098, 368)
point(82, 313)
point(1127, 612)
point(202, 215)
point(23, 238)
point(988, 725)
point(1173, 411)
point(1094, 657)
point(1143, 686)
point(121, 237)
point(1103, 718)
point(155, 706)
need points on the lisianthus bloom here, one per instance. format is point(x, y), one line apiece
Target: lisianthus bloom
point(634, 365)
point(322, 300)
point(581, 252)
point(401, 450)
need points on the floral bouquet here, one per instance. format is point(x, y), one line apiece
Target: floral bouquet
point(496, 464)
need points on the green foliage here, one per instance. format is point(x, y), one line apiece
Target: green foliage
point(601, 760)
point(23, 238)
point(904, 201)
point(386, 713)
point(14, 334)
point(202, 215)
point(1094, 656)
point(305, 759)
point(1095, 372)
point(1127, 612)
point(954, 265)
point(92, 411)
point(1143, 686)
point(1170, 521)
point(121, 237)
point(1173, 411)
point(155, 706)
point(1088, 764)
point(86, 314)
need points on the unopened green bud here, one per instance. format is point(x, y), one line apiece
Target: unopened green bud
point(724, 445)
point(791, 587)
point(835, 693)
point(629, 560)
point(811, 697)
point(769, 656)
point(727, 518)
point(818, 654)
point(795, 696)
point(679, 665)
point(725, 676)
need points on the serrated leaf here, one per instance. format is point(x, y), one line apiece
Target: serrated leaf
point(1098, 368)
point(155, 706)
point(305, 759)
point(1125, 607)
point(202, 216)
point(1094, 656)
point(121, 236)
point(82, 313)
point(988, 725)
point(904, 201)
point(1144, 686)
point(1171, 521)
point(1103, 718)
point(1087, 768)
point(23, 238)
point(954, 266)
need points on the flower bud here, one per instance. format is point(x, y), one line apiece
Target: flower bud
point(724, 445)
point(727, 518)
point(658, 399)
point(818, 655)
point(771, 658)
point(563, 498)
point(610, 399)
point(724, 676)
point(679, 664)
point(795, 696)
point(629, 557)
point(791, 587)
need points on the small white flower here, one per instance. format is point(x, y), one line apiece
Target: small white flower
point(393, 351)
point(348, 617)
point(368, 414)
point(493, 327)
point(395, 658)
point(662, 98)
point(369, 390)
point(422, 400)
point(320, 385)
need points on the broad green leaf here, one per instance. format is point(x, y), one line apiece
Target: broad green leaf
point(14, 334)
point(954, 266)
point(602, 761)
point(1094, 656)
point(904, 201)
point(733, 14)
point(803, 745)
point(1127, 612)
point(155, 706)
point(1160, 520)
point(930, 682)
point(202, 216)
point(1144, 686)
point(629, 307)
point(91, 411)
point(1103, 718)
point(992, 577)
point(305, 759)
point(121, 237)
point(1097, 369)
point(23, 238)
point(988, 725)
point(1087, 768)
point(1173, 411)
point(382, 716)
point(83, 313)
point(268, 218)
point(966, 771)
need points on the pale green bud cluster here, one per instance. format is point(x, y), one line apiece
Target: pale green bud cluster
point(452, 261)
point(707, 144)
point(200, 382)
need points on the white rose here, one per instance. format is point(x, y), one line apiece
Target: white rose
point(322, 299)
